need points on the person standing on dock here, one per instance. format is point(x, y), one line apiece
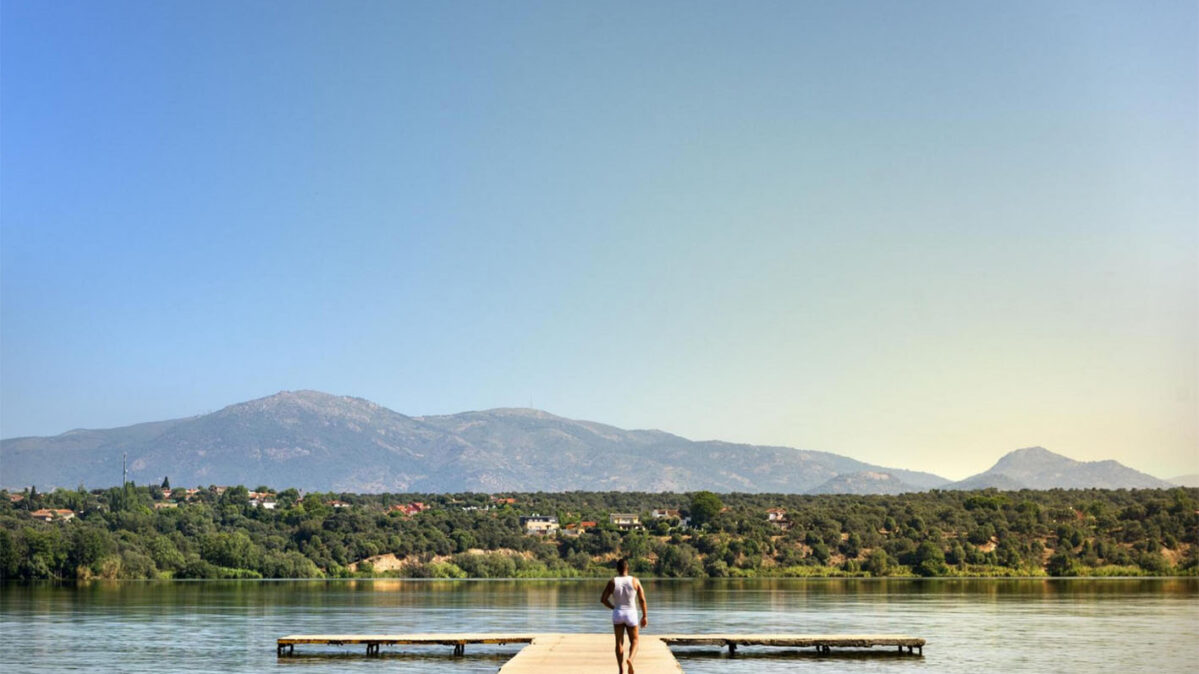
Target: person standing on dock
point(623, 594)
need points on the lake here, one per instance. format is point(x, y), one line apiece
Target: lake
point(1008, 625)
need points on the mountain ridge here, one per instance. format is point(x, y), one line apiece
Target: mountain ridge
point(1189, 480)
point(318, 441)
point(1039, 468)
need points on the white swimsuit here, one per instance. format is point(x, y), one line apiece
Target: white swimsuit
point(624, 598)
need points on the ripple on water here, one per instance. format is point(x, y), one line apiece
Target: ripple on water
point(1100, 625)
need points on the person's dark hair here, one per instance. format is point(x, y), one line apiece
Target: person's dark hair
point(622, 566)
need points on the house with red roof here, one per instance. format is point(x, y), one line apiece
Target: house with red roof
point(56, 515)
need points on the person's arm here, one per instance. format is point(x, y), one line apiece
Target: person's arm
point(606, 597)
point(641, 600)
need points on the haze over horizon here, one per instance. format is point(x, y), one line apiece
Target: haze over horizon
point(908, 234)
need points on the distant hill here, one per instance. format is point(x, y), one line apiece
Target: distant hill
point(318, 441)
point(1191, 480)
point(864, 482)
point(988, 481)
point(1039, 468)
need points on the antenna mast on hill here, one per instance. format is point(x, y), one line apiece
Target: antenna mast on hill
point(124, 470)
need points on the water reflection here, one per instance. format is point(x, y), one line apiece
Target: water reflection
point(1016, 625)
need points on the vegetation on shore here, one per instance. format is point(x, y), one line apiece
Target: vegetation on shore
point(134, 532)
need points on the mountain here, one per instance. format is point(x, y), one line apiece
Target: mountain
point(318, 441)
point(1039, 468)
point(1191, 480)
point(988, 480)
point(864, 482)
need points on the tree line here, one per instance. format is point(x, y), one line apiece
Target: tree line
point(133, 532)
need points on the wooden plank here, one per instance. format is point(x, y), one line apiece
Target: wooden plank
point(406, 639)
point(792, 640)
point(595, 652)
point(588, 654)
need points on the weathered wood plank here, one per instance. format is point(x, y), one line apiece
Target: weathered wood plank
point(594, 652)
point(792, 640)
point(406, 639)
point(588, 654)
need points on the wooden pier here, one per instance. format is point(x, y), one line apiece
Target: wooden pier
point(287, 645)
point(823, 643)
point(587, 653)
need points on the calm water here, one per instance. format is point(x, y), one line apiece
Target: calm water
point(998, 625)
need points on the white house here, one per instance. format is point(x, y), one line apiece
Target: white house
point(539, 525)
point(625, 520)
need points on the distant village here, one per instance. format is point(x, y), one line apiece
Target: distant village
point(534, 524)
point(223, 531)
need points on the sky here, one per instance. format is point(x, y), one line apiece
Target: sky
point(920, 234)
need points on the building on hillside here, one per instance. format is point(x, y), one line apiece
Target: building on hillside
point(15, 498)
point(539, 525)
point(166, 493)
point(262, 499)
point(626, 520)
point(337, 504)
point(409, 509)
point(778, 517)
point(49, 515)
point(503, 500)
point(671, 514)
point(576, 528)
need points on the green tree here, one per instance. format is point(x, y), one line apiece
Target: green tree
point(679, 560)
point(10, 555)
point(89, 545)
point(820, 553)
point(635, 545)
point(930, 560)
point(1061, 564)
point(1153, 562)
point(704, 506)
point(877, 563)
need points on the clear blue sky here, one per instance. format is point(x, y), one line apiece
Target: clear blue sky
point(919, 233)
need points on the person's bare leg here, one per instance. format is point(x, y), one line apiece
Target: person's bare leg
point(632, 646)
point(618, 630)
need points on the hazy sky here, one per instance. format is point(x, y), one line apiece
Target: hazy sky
point(919, 234)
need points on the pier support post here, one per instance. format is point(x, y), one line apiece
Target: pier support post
point(732, 648)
